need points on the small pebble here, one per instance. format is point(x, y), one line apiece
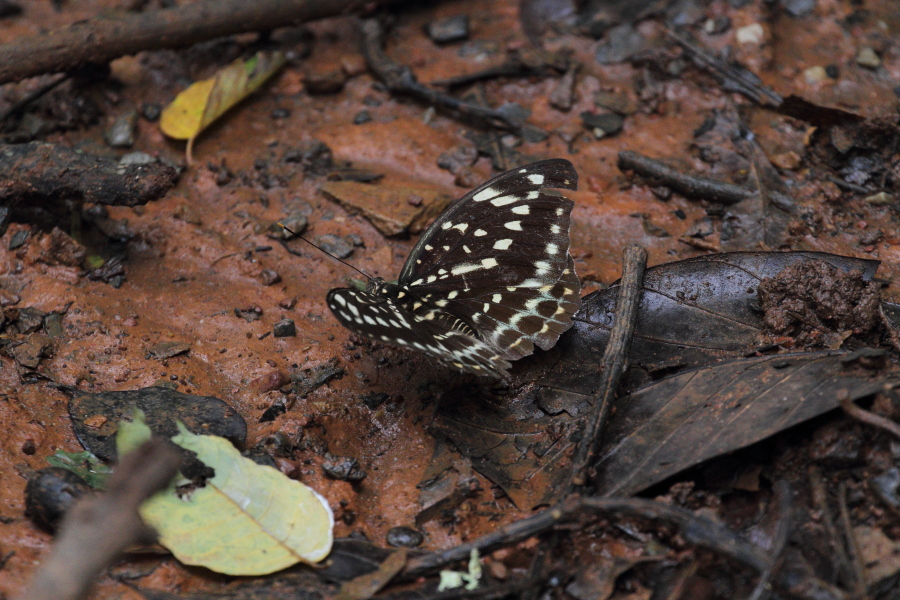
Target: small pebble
point(750, 34)
point(879, 199)
point(602, 124)
point(404, 537)
point(343, 468)
point(137, 158)
point(832, 71)
point(452, 29)
point(374, 400)
point(361, 117)
point(718, 25)
point(121, 133)
point(269, 277)
point(798, 8)
point(815, 74)
point(866, 57)
point(151, 111)
point(281, 113)
point(334, 245)
point(284, 328)
point(18, 239)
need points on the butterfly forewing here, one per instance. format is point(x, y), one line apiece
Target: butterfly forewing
point(489, 279)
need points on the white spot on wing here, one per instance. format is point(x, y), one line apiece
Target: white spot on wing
point(485, 194)
point(480, 232)
point(502, 244)
point(514, 225)
point(504, 200)
point(521, 210)
point(536, 179)
point(489, 263)
point(551, 249)
point(461, 226)
point(496, 298)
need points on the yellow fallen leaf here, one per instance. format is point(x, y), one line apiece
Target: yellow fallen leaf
point(247, 520)
point(205, 101)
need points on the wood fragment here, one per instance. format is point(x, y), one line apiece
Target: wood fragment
point(400, 79)
point(102, 40)
point(615, 358)
point(100, 528)
point(689, 185)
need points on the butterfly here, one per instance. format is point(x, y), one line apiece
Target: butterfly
point(486, 282)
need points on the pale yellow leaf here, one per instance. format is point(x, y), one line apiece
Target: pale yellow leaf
point(205, 101)
point(247, 520)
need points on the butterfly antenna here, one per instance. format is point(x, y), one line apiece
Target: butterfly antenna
point(294, 233)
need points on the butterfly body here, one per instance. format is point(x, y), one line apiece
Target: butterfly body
point(487, 281)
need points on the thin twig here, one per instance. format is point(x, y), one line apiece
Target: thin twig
point(695, 529)
point(699, 243)
point(99, 528)
point(865, 416)
point(689, 185)
point(736, 77)
point(615, 358)
point(101, 40)
point(855, 556)
point(32, 97)
point(782, 507)
point(400, 79)
point(820, 499)
point(893, 334)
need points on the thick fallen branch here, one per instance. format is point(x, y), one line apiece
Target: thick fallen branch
point(101, 40)
point(695, 187)
point(98, 529)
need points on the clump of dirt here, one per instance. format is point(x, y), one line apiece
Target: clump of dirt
point(817, 304)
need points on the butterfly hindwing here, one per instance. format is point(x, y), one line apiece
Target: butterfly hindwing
point(381, 319)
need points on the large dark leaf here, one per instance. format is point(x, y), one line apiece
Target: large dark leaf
point(96, 417)
point(694, 416)
point(693, 313)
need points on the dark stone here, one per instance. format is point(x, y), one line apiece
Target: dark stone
point(121, 133)
point(284, 328)
point(451, 29)
point(249, 314)
point(281, 113)
point(334, 245)
point(51, 493)
point(294, 225)
point(307, 381)
point(404, 537)
point(151, 111)
point(260, 457)
point(343, 468)
point(18, 239)
point(798, 8)
point(832, 71)
point(533, 135)
point(373, 401)
point(361, 117)
point(29, 320)
point(608, 123)
point(622, 42)
point(313, 155)
point(269, 277)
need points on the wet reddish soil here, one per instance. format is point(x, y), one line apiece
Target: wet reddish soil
point(197, 254)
